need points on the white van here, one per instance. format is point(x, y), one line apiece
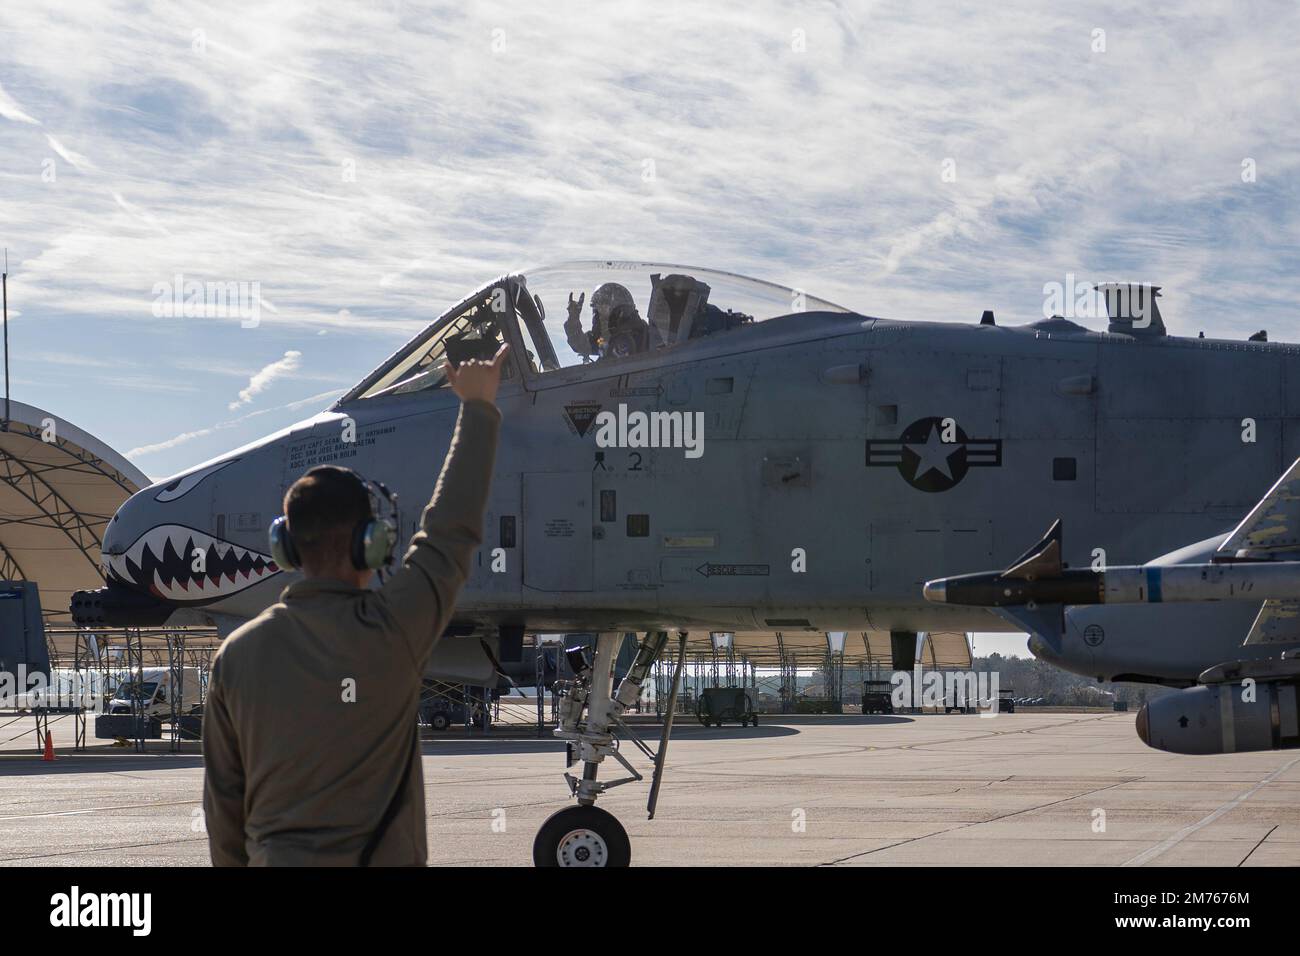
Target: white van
point(154, 690)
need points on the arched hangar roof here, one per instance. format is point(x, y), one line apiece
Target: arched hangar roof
point(60, 488)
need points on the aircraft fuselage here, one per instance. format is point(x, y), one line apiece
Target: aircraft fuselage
point(842, 462)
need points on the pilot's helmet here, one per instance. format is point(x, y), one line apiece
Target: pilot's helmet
point(608, 299)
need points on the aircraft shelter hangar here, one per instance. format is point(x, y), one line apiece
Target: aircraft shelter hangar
point(804, 670)
point(938, 650)
point(61, 486)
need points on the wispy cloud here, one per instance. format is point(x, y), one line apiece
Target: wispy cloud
point(368, 181)
point(75, 160)
point(262, 379)
point(10, 110)
point(189, 436)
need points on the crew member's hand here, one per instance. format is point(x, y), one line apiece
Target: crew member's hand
point(477, 378)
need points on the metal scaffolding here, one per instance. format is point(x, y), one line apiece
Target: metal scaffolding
point(103, 658)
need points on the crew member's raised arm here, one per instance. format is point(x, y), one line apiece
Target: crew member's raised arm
point(421, 594)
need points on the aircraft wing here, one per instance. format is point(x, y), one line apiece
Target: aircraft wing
point(1271, 531)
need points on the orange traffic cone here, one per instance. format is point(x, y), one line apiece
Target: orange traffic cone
point(49, 747)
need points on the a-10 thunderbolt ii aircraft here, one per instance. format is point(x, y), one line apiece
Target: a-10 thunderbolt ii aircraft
point(1239, 704)
point(691, 450)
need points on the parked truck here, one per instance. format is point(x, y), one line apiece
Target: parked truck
point(154, 690)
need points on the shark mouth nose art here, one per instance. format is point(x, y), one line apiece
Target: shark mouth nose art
point(163, 561)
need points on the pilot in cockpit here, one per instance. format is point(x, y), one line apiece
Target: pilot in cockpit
point(617, 329)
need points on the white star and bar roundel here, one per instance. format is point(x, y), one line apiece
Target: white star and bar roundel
point(926, 461)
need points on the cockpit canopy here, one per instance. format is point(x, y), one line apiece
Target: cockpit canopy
point(586, 313)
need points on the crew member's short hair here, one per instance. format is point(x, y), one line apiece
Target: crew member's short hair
point(323, 509)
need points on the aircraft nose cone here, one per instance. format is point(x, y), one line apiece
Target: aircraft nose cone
point(118, 534)
point(1144, 725)
point(936, 591)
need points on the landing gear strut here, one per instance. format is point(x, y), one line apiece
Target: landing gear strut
point(584, 835)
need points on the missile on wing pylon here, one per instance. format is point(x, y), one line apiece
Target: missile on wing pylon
point(1237, 706)
point(1039, 577)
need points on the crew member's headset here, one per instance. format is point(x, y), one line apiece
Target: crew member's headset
point(372, 539)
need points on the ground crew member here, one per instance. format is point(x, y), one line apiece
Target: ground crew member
point(310, 750)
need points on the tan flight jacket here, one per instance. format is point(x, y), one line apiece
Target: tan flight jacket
point(310, 722)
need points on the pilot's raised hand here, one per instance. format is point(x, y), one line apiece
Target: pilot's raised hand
point(575, 308)
point(477, 378)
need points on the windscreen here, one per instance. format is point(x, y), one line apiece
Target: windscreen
point(607, 310)
point(131, 689)
point(471, 332)
point(578, 313)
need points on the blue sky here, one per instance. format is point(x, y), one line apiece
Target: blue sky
point(367, 163)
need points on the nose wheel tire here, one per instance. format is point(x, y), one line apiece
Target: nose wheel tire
point(582, 836)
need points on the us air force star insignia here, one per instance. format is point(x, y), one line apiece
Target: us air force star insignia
point(933, 455)
point(926, 461)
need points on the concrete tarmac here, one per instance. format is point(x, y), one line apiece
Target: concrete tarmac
point(1015, 789)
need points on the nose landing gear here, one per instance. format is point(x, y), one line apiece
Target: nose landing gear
point(584, 835)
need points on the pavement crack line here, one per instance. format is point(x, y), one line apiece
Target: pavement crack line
point(1146, 856)
point(99, 849)
point(81, 810)
point(847, 749)
point(977, 823)
point(1258, 845)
